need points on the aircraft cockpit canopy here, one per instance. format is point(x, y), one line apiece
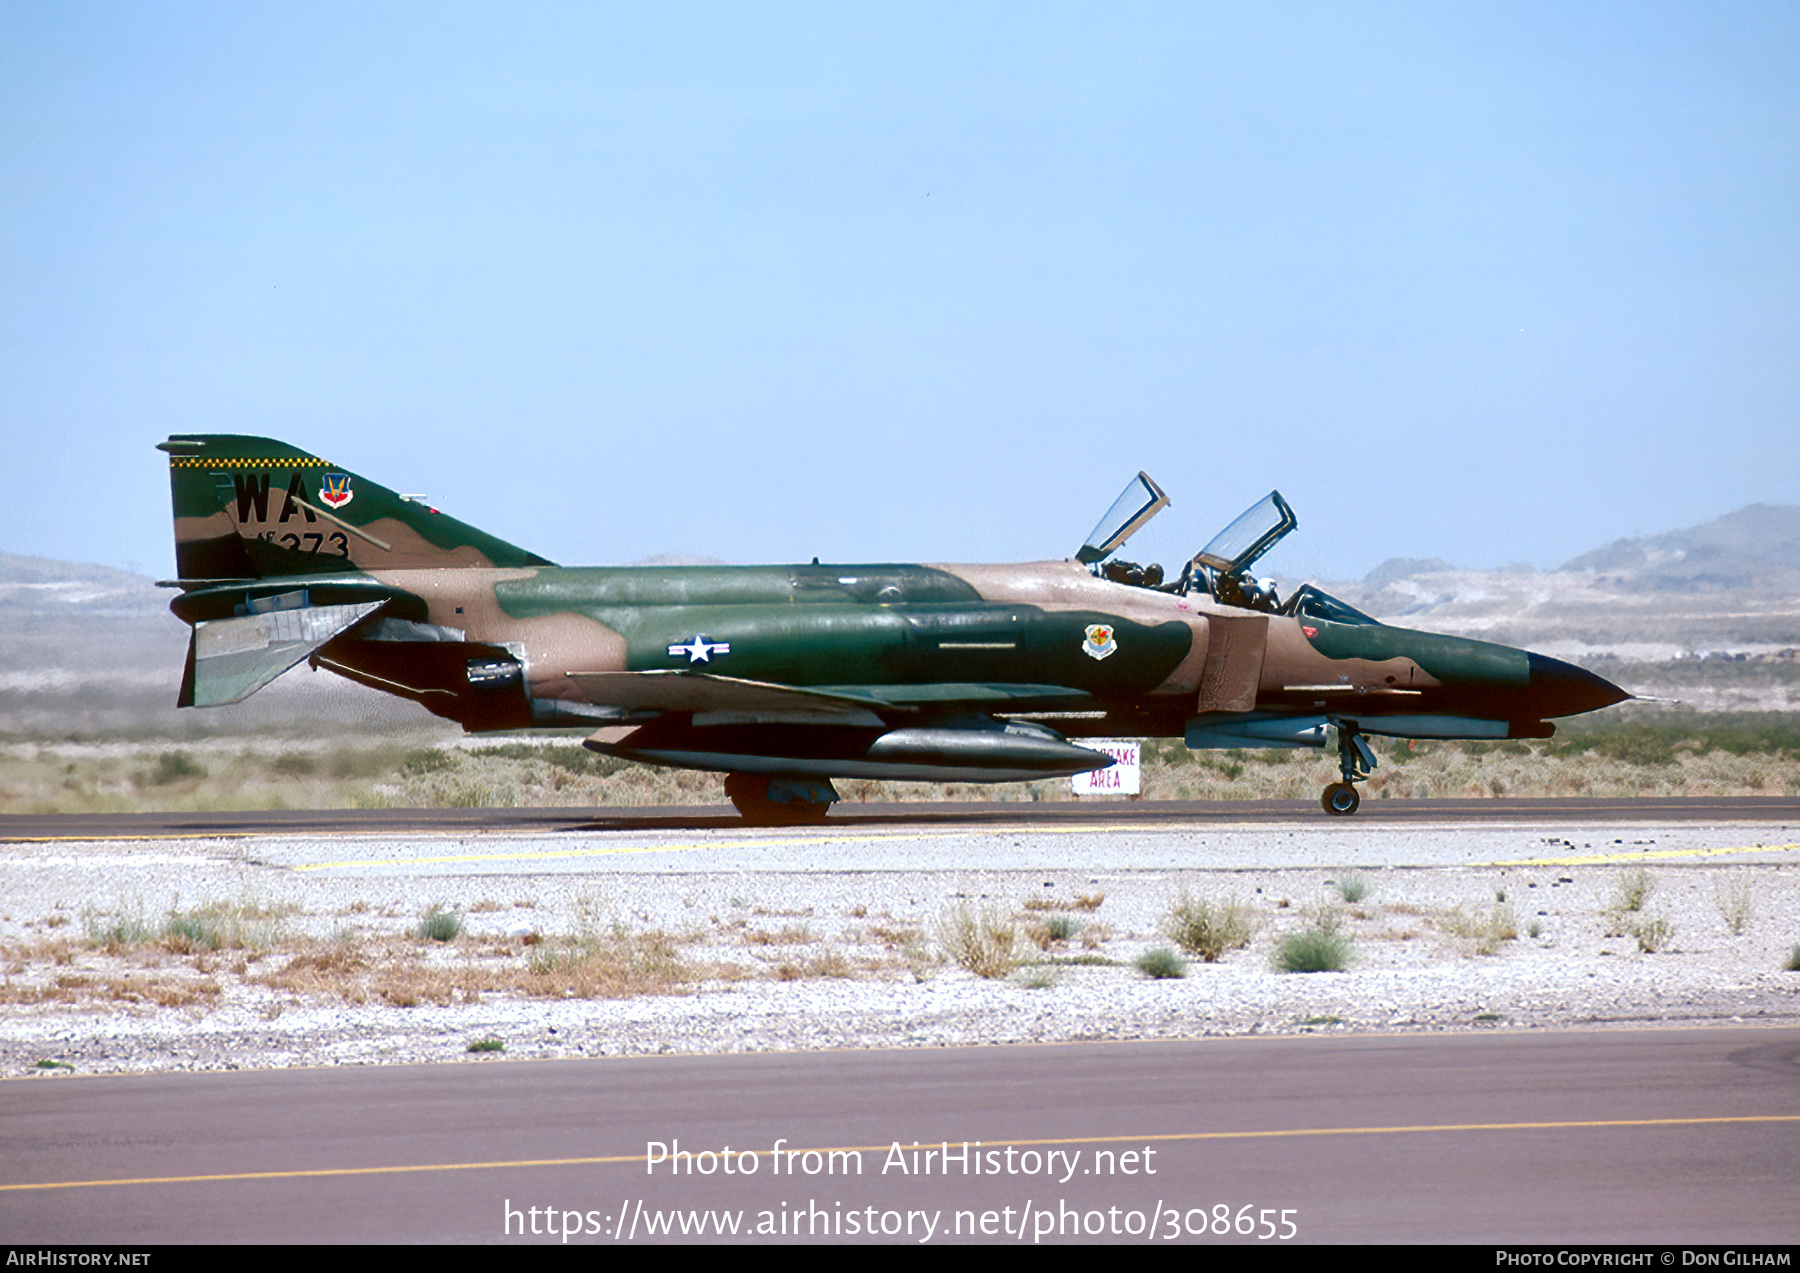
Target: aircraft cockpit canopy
point(1311, 602)
point(1256, 530)
point(1141, 500)
point(1222, 568)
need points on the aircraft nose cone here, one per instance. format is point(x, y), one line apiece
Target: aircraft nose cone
point(1562, 689)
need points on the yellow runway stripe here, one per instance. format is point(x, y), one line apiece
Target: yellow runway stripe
point(1594, 859)
point(882, 1149)
point(897, 837)
point(1599, 859)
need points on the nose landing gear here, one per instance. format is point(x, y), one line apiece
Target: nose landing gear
point(1355, 762)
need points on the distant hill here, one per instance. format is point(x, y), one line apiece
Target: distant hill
point(43, 585)
point(1733, 551)
point(1404, 568)
point(93, 651)
point(1730, 583)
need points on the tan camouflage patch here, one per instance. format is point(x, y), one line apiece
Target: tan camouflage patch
point(555, 644)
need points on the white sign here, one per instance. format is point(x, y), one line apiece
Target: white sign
point(1122, 779)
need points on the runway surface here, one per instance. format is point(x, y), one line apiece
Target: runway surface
point(1651, 1135)
point(1195, 814)
point(1646, 1137)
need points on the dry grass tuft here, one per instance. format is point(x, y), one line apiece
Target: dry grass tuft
point(1208, 929)
point(1653, 933)
point(439, 925)
point(895, 938)
point(1731, 894)
point(1321, 948)
point(1625, 917)
point(984, 943)
point(218, 926)
point(831, 964)
point(1633, 890)
point(1086, 903)
point(1483, 934)
point(606, 965)
point(1053, 930)
point(1160, 964)
point(162, 991)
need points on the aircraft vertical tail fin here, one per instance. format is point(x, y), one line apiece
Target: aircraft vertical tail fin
point(248, 508)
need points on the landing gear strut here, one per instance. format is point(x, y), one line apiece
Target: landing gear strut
point(780, 800)
point(1355, 761)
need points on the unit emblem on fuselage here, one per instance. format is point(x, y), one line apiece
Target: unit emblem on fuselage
point(1100, 641)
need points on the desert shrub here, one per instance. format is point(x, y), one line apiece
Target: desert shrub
point(609, 962)
point(1657, 738)
point(428, 760)
point(569, 758)
point(1061, 927)
point(1208, 929)
point(1053, 928)
point(984, 943)
point(1160, 964)
point(374, 762)
point(1484, 932)
point(1352, 887)
point(216, 926)
point(1321, 948)
point(121, 932)
point(171, 766)
point(190, 932)
point(1634, 889)
point(1653, 934)
point(439, 924)
point(1731, 894)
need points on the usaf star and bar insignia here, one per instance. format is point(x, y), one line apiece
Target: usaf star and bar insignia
point(700, 650)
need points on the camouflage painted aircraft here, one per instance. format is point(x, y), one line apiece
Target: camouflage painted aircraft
point(785, 677)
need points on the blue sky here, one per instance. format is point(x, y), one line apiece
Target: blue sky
point(910, 282)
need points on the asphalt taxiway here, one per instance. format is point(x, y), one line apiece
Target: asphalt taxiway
point(1167, 813)
point(1642, 1137)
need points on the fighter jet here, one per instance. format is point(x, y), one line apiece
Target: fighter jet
point(785, 677)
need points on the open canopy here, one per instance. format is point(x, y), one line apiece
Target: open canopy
point(1256, 530)
point(1141, 500)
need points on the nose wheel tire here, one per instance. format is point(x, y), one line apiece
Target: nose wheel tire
point(1340, 799)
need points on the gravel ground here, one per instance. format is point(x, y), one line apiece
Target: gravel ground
point(782, 959)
